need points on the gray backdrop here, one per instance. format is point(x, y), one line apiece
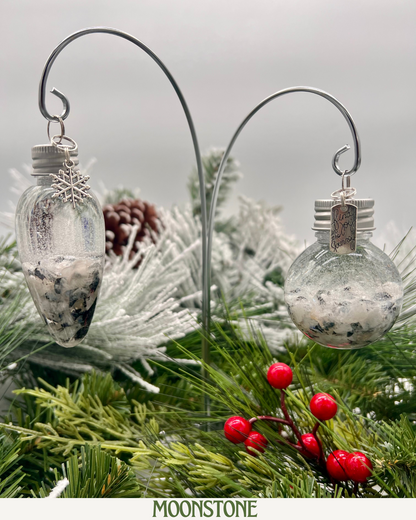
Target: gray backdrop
point(226, 56)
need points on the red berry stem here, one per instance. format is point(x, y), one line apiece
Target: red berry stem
point(268, 418)
point(290, 422)
point(294, 446)
point(278, 420)
point(321, 451)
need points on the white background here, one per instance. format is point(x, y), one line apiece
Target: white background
point(227, 55)
point(267, 509)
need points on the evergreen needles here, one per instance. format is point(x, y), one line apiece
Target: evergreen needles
point(173, 455)
point(11, 475)
point(144, 434)
point(211, 162)
point(93, 473)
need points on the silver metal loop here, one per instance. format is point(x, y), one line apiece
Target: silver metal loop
point(71, 148)
point(68, 161)
point(347, 192)
point(343, 180)
point(61, 122)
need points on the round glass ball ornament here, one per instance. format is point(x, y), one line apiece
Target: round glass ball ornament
point(344, 301)
point(61, 242)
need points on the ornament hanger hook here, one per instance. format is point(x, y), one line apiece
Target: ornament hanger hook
point(280, 93)
point(65, 113)
point(336, 167)
point(65, 103)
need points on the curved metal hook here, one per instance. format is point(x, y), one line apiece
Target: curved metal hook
point(65, 103)
point(311, 90)
point(65, 113)
point(335, 166)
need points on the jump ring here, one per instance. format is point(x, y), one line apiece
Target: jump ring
point(60, 120)
point(61, 138)
point(348, 193)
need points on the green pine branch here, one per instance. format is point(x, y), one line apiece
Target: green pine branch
point(211, 162)
point(173, 456)
point(93, 473)
point(11, 474)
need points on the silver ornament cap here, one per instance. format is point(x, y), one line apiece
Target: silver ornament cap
point(47, 159)
point(365, 214)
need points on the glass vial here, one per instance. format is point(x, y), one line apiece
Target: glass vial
point(61, 249)
point(344, 301)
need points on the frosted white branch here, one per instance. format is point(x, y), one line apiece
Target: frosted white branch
point(59, 488)
point(139, 309)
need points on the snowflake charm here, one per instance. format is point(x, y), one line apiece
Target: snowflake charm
point(70, 185)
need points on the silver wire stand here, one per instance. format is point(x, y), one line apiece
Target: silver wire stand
point(346, 173)
point(64, 115)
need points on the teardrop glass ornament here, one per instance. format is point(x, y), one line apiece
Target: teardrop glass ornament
point(61, 242)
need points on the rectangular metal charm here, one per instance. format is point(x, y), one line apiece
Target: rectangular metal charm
point(343, 238)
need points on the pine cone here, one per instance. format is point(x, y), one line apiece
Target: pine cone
point(121, 217)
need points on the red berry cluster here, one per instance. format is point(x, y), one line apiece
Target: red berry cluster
point(237, 429)
point(340, 464)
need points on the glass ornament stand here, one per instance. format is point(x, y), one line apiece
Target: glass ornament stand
point(379, 310)
point(65, 113)
point(266, 101)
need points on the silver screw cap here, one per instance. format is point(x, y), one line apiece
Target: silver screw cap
point(323, 214)
point(47, 158)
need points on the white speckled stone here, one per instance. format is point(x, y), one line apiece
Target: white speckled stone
point(65, 291)
point(343, 301)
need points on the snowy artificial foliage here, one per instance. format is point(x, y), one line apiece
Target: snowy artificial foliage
point(136, 313)
point(258, 252)
point(403, 252)
point(20, 183)
point(181, 240)
point(248, 251)
point(140, 309)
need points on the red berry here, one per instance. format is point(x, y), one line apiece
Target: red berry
point(310, 443)
point(236, 429)
point(358, 467)
point(255, 440)
point(323, 406)
point(336, 464)
point(279, 375)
